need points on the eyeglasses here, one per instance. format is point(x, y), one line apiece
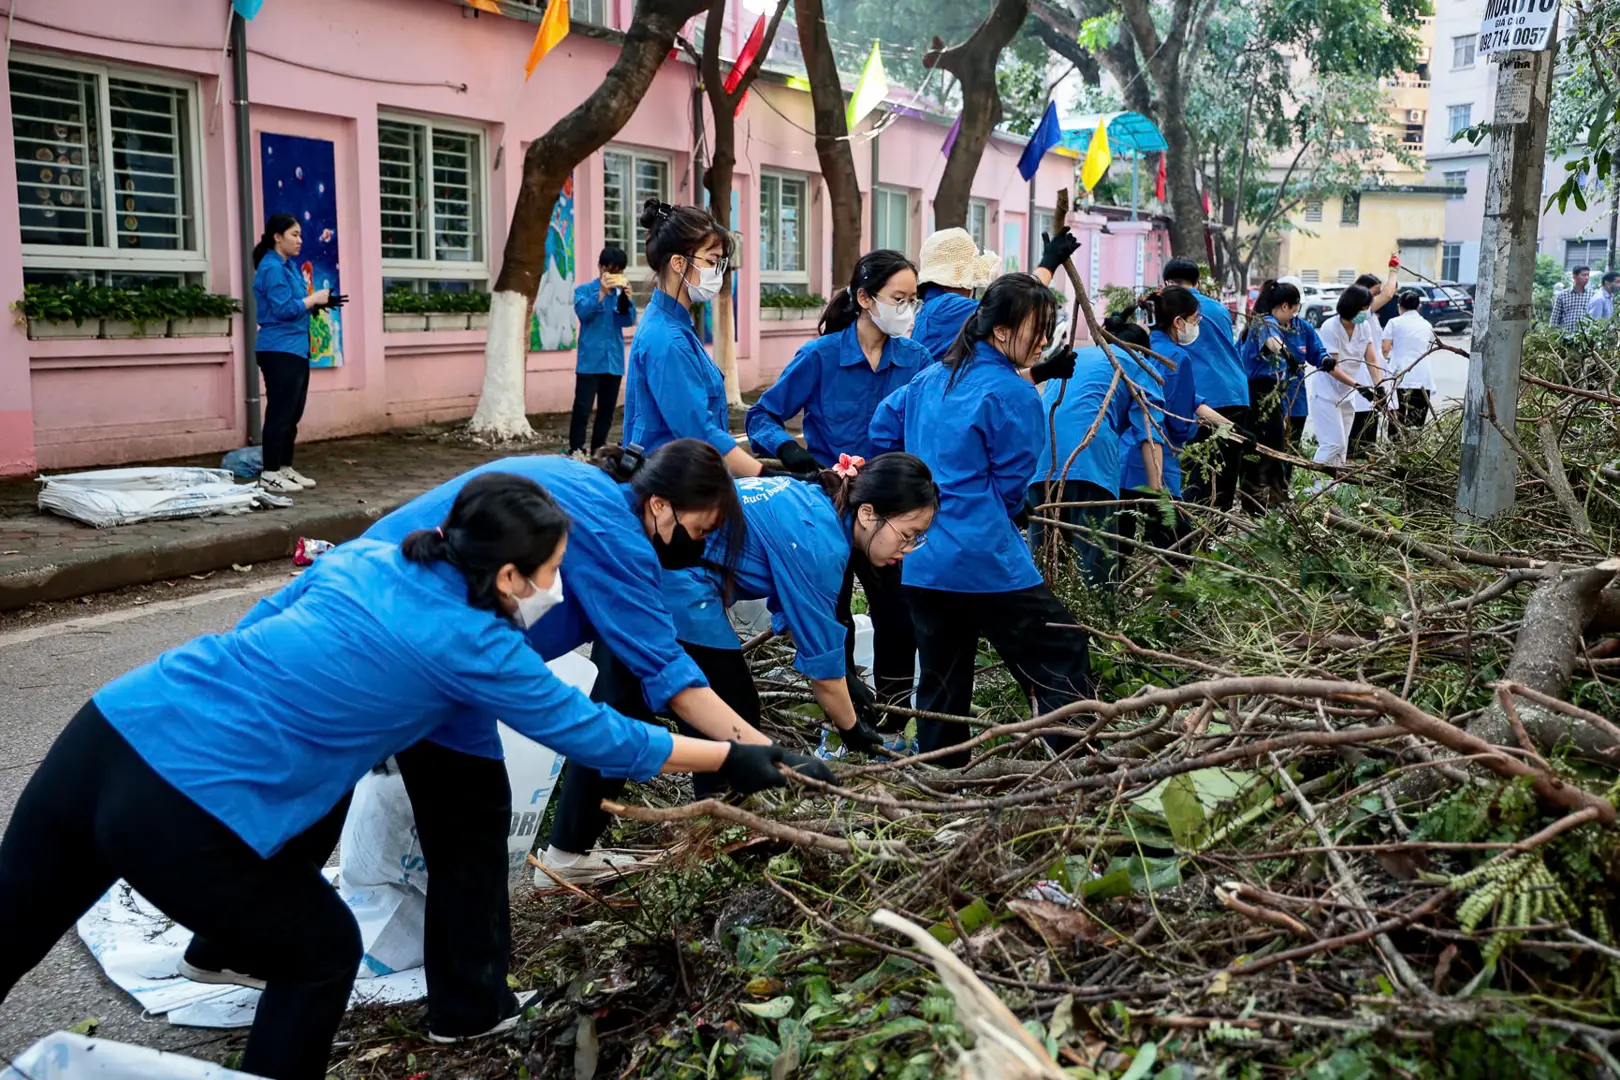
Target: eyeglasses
point(907, 543)
point(718, 263)
point(904, 307)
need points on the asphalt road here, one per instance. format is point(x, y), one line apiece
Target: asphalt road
point(47, 671)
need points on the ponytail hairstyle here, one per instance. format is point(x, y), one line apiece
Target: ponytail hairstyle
point(678, 230)
point(1012, 300)
point(872, 272)
point(1164, 306)
point(497, 518)
point(689, 474)
point(278, 224)
point(1272, 294)
point(1353, 301)
point(1127, 330)
point(892, 484)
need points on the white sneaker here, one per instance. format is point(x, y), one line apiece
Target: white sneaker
point(290, 473)
point(593, 866)
point(524, 997)
point(279, 482)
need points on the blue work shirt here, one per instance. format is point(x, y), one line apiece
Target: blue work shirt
point(1083, 397)
point(610, 577)
point(941, 319)
point(601, 329)
point(278, 297)
point(1301, 345)
point(980, 437)
point(674, 390)
point(1216, 368)
point(793, 557)
point(833, 384)
point(1172, 407)
point(267, 726)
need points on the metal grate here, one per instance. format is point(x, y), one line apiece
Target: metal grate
point(628, 181)
point(399, 150)
point(781, 225)
point(148, 156)
point(432, 205)
point(57, 148)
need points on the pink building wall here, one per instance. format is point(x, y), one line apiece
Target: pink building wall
point(326, 71)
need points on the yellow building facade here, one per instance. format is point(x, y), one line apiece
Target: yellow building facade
point(1338, 239)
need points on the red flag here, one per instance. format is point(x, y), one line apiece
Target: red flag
point(750, 51)
point(1158, 188)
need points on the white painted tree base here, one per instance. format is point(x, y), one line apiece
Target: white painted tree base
point(500, 412)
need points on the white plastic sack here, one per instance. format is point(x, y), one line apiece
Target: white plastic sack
point(864, 656)
point(379, 845)
point(750, 618)
point(108, 497)
point(66, 1056)
point(391, 918)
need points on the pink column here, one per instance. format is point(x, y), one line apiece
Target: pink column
point(1134, 237)
point(1087, 229)
point(16, 391)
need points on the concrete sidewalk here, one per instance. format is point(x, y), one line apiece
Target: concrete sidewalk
point(44, 557)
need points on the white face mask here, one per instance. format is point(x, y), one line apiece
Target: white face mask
point(895, 320)
point(532, 608)
point(1189, 335)
point(708, 284)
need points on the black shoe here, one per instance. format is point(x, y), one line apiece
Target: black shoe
point(523, 1000)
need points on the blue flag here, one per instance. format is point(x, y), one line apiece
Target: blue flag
point(1046, 136)
point(247, 8)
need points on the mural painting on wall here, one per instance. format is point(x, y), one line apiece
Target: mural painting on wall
point(299, 177)
point(552, 325)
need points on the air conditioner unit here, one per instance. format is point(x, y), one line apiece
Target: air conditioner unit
point(1414, 116)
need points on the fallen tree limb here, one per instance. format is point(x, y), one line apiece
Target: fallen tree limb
point(714, 808)
point(1305, 951)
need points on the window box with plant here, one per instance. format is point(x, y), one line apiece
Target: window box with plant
point(82, 310)
point(196, 312)
point(405, 310)
point(780, 306)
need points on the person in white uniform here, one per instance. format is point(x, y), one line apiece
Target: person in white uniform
point(1407, 341)
point(1333, 398)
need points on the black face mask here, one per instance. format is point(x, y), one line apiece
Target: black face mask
point(680, 552)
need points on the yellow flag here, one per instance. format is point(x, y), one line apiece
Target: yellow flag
point(1097, 157)
point(485, 5)
point(553, 28)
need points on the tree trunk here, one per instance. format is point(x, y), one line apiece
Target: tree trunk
point(1166, 59)
point(832, 139)
point(974, 64)
point(1181, 174)
point(722, 168)
point(546, 167)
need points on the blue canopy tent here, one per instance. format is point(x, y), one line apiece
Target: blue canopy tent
point(1128, 132)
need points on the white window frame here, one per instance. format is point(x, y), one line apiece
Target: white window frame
point(1450, 251)
point(983, 239)
point(1452, 127)
point(433, 268)
point(887, 195)
point(806, 231)
point(634, 246)
point(1470, 42)
point(113, 259)
point(1459, 188)
point(1587, 258)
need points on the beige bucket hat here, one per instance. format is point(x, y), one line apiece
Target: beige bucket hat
point(951, 258)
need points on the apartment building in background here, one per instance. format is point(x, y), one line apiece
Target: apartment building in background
point(1462, 93)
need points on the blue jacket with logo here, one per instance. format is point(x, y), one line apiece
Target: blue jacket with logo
point(673, 389)
point(602, 321)
point(278, 297)
point(1172, 407)
point(1216, 368)
point(1083, 397)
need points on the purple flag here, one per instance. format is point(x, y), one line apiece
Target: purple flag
point(950, 140)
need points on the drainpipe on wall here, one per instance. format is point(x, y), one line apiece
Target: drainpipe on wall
point(247, 227)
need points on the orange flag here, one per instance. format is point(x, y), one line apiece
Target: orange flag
point(485, 5)
point(553, 28)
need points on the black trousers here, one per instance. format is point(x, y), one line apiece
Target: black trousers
point(603, 392)
point(1097, 555)
point(1218, 481)
point(1265, 478)
point(1363, 433)
point(894, 643)
point(95, 811)
point(286, 389)
point(580, 820)
point(1414, 409)
point(1053, 666)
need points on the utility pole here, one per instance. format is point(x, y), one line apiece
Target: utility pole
point(1507, 264)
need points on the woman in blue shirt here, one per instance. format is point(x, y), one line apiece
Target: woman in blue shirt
point(975, 420)
point(863, 355)
point(189, 776)
point(1092, 473)
point(605, 310)
point(675, 389)
point(1221, 384)
point(282, 303)
point(952, 268)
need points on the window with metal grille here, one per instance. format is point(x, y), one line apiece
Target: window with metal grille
point(1459, 118)
point(1462, 51)
point(431, 185)
point(1450, 261)
point(1313, 210)
point(1310, 277)
point(1350, 209)
point(594, 12)
point(629, 179)
point(783, 224)
point(1458, 182)
point(1585, 253)
point(107, 175)
point(978, 222)
point(1347, 277)
point(893, 220)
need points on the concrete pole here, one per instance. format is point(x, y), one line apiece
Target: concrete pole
point(1507, 265)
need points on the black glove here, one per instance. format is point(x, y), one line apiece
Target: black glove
point(1328, 364)
point(1060, 365)
point(624, 301)
point(1367, 392)
point(864, 699)
point(863, 737)
point(796, 459)
point(1057, 249)
point(335, 300)
point(749, 767)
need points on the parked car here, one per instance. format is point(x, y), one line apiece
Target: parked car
point(1318, 303)
point(1447, 306)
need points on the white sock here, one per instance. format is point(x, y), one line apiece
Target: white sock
point(553, 857)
